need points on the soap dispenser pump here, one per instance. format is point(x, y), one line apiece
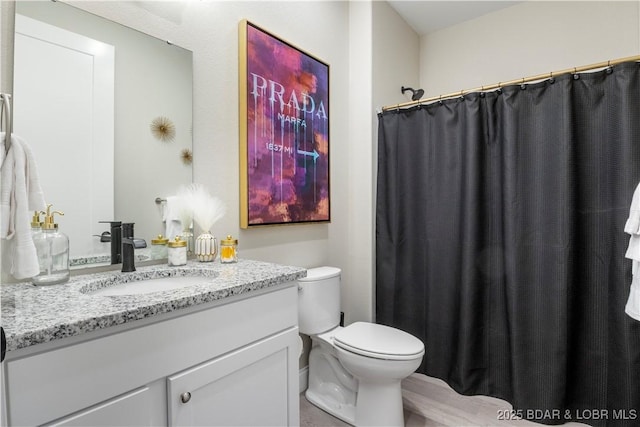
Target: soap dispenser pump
point(52, 247)
point(36, 224)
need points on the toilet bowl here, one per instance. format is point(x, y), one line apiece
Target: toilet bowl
point(355, 372)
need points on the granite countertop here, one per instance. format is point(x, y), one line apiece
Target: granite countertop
point(38, 314)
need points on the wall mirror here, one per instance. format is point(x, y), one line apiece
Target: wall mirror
point(107, 111)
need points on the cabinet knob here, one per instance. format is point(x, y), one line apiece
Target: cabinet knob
point(185, 397)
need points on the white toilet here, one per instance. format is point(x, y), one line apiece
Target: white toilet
point(354, 371)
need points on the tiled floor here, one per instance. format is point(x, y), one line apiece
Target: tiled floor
point(431, 402)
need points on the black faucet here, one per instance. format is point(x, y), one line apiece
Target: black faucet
point(128, 253)
point(115, 238)
point(129, 244)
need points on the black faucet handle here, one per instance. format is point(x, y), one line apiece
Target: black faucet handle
point(115, 239)
point(113, 223)
point(104, 237)
point(127, 229)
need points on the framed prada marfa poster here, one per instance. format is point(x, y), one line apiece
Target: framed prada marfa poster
point(284, 132)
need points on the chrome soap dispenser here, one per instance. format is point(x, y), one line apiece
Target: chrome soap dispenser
point(52, 247)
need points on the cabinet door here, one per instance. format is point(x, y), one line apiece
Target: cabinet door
point(252, 386)
point(131, 409)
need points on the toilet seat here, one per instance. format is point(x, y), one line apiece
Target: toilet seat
point(378, 341)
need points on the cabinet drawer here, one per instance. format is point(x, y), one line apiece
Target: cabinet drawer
point(248, 387)
point(135, 408)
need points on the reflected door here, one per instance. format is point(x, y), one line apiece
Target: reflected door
point(64, 111)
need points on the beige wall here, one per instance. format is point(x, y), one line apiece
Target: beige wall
point(528, 39)
point(396, 56)
point(357, 297)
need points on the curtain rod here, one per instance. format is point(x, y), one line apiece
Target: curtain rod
point(513, 82)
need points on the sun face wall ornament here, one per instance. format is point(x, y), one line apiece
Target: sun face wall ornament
point(163, 129)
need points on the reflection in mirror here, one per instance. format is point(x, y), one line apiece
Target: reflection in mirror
point(107, 111)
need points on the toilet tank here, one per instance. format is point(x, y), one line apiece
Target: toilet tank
point(319, 300)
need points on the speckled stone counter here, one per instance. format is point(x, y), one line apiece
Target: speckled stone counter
point(33, 315)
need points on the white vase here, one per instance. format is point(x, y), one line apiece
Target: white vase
point(206, 247)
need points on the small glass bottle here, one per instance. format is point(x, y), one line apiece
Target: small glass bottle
point(187, 236)
point(228, 250)
point(159, 248)
point(177, 252)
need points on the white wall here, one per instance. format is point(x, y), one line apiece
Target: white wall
point(7, 22)
point(528, 39)
point(357, 295)
point(396, 57)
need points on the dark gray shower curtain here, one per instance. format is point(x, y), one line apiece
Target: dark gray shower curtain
point(500, 243)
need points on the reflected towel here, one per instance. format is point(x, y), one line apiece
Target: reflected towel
point(171, 217)
point(20, 194)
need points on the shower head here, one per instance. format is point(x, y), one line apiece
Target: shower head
point(416, 93)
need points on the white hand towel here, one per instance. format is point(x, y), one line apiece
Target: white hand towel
point(633, 305)
point(20, 193)
point(171, 217)
point(632, 227)
point(633, 250)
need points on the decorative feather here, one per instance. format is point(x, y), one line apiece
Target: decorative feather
point(198, 204)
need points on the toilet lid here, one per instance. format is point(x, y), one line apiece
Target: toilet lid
point(320, 273)
point(378, 341)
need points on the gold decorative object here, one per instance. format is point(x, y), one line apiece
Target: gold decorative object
point(187, 156)
point(163, 129)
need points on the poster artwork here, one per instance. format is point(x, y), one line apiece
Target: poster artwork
point(287, 133)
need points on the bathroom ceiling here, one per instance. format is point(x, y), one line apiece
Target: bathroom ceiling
point(426, 16)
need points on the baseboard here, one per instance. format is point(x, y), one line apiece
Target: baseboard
point(304, 378)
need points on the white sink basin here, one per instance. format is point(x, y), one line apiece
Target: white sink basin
point(148, 286)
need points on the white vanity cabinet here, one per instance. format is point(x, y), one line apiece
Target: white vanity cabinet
point(233, 362)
